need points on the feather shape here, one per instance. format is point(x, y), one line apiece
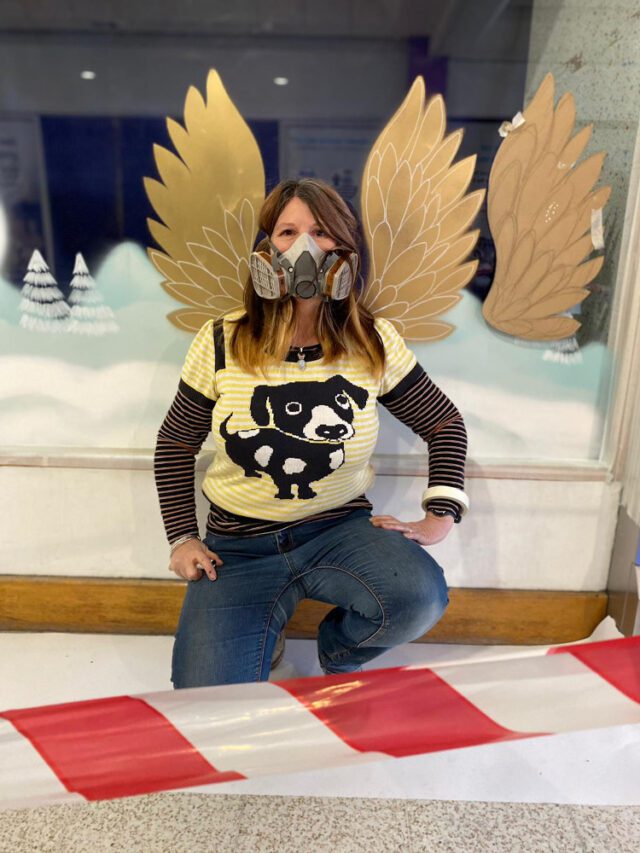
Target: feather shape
point(416, 219)
point(539, 209)
point(208, 198)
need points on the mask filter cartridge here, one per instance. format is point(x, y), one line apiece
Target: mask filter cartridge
point(304, 270)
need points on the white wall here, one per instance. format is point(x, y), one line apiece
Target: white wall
point(100, 522)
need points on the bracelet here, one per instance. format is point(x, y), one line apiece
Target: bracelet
point(448, 492)
point(181, 541)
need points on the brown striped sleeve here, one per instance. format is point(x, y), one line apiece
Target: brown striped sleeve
point(182, 434)
point(419, 404)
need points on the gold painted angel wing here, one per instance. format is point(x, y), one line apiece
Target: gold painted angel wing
point(540, 207)
point(208, 202)
point(415, 217)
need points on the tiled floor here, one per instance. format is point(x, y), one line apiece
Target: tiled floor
point(498, 797)
point(199, 823)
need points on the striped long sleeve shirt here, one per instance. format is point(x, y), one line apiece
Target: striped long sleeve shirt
point(297, 446)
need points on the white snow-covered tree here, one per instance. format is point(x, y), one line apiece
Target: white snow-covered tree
point(43, 306)
point(89, 314)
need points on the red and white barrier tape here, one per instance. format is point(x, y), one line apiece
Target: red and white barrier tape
point(127, 745)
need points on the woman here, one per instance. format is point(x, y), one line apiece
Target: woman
point(289, 386)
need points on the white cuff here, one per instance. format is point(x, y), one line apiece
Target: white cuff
point(449, 492)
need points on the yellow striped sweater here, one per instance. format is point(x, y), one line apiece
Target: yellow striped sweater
point(295, 445)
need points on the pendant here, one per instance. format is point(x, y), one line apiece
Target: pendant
point(301, 362)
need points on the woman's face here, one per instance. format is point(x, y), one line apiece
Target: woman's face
point(296, 219)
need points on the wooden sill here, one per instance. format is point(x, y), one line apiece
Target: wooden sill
point(114, 606)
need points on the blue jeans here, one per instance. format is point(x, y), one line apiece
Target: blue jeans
point(387, 590)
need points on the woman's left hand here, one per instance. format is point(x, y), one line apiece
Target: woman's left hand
point(427, 531)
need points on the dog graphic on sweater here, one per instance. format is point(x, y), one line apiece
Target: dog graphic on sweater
point(311, 422)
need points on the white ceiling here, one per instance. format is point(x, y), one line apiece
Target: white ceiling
point(388, 19)
point(345, 59)
point(368, 18)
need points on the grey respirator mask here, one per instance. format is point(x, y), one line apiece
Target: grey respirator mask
point(304, 270)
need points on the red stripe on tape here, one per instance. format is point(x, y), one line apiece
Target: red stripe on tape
point(396, 711)
point(116, 747)
point(617, 661)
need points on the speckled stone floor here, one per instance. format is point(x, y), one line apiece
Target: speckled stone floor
point(200, 822)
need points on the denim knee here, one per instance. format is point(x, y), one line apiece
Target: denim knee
point(414, 610)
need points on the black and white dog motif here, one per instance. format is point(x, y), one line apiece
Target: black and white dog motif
point(312, 420)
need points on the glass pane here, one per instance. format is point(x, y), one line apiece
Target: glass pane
point(84, 99)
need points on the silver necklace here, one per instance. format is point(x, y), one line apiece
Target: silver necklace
point(301, 362)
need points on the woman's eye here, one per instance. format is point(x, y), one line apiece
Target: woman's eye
point(286, 233)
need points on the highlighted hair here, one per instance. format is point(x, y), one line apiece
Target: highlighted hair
point(262, 335)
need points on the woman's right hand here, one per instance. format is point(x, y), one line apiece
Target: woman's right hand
point(192, 558)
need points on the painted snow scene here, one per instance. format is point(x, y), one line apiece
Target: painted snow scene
point(95, 370)
point(44, 308)
point(100, 369)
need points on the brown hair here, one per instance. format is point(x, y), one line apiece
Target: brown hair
point(262, 335)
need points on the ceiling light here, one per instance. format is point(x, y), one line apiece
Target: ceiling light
point(281, 81)
point(88, 75)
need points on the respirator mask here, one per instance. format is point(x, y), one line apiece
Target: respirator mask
point(304, 270)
